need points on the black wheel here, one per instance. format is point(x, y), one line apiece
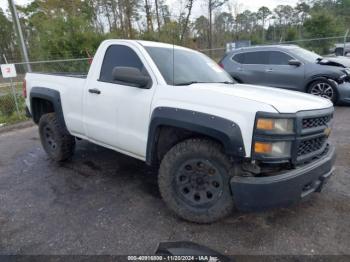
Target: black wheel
point(56, 141)
point(194, 181)
point(324, 89)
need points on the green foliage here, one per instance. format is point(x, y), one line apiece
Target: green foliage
point(292, 34)
point(8, 112)
point(322, 24)
point(56, 29)
point(7, 105)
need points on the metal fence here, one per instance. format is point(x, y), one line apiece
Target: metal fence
point(12, 106)
point(325, 46)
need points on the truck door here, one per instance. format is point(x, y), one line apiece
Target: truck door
point(116, 115)
point(282, 75)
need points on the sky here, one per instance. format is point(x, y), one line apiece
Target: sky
point(199, 8)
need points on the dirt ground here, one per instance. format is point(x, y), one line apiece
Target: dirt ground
point(102, 202)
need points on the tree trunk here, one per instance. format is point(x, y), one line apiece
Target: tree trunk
point(263, 30)
point(128, 14)
point(121, 17)
point(115, 15)
point(157, 14)
point(189, 7)
point(106, 9)
point(210, 28)
point(148, 17)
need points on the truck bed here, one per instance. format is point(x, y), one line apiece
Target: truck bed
point(76, 75)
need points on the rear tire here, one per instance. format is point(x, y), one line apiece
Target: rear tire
point(56, 141)
point(325, 89)
point(194, 181)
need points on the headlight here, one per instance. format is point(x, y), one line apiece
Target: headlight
point(278, 126)
point(273, 149)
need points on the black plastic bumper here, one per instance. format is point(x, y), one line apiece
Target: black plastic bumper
point(258, 193)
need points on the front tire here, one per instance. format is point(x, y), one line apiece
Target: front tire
point(194, 181)
point(56, 141)
point(325, 89)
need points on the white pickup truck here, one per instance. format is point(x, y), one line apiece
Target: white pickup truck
point(216, 144)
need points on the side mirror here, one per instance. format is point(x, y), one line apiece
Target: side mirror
point(294, 62)
point(130, 75)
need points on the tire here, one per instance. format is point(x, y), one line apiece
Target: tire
point(325, 89)
point(194, 181)
point(56, 141)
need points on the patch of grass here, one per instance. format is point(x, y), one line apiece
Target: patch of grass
point(8, 111)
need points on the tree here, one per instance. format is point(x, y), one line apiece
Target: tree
point(65, 29)
point(319, 25)
point(284, 13)
point(223, 28)
point(201, 26)
point(189, 6)
point(302, 10)
point(7, 44)
point(55, 30)
point(148, 16)
point(157, 16)
point(263, 14)
point(212, 5)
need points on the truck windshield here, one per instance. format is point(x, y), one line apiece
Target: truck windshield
point(186, 67)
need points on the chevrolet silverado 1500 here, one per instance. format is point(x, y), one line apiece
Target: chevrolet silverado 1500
point(216, 144)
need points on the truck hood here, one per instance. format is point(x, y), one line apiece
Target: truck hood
point(284, 101)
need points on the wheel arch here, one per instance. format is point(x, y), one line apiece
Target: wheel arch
point(317, 78)
point(169, 126)
point(45, 100)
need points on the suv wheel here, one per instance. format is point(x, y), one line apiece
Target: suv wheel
point(324, 89)
point(194, 181)
point(57, 143)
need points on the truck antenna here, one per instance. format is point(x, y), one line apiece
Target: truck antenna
point(173, 56)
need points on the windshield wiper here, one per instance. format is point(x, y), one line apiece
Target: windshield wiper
point(227, 82)
point(188, 83)
point(197, 82)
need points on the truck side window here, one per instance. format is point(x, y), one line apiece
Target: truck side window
point(119, 55)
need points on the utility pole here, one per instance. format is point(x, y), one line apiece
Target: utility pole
point(19, 33)
point(345, 37)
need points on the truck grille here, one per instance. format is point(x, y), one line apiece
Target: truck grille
point(316, 121)
point(310, 146)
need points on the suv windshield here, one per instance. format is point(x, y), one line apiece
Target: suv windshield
point(307, 55)
point(186, 67)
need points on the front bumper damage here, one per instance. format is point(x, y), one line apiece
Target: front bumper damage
point(259, 193)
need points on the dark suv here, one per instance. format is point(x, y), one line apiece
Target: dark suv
point(289, 67)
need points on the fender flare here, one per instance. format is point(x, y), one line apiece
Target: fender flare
point(51, 95)
point(221, 129)
point(317, 78)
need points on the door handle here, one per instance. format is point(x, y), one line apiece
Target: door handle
point(240, 69)
point(268, 70)
point(94, 91)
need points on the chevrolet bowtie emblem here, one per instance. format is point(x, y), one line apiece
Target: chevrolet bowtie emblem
point(327, 131)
